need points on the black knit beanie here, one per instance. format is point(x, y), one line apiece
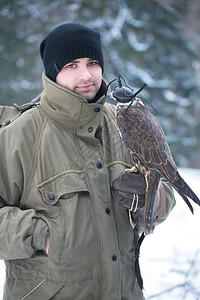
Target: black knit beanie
point(66, 43)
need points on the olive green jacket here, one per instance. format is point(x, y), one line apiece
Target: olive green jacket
point(57, 164)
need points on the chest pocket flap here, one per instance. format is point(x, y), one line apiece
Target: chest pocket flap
point(62, 184)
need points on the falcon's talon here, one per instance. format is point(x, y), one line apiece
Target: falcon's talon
point(134, 169)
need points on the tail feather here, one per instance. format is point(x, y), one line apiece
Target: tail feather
point(184, 190)
point(185, 198)
point(150, 200)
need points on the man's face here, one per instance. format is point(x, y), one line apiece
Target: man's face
point(82, 76)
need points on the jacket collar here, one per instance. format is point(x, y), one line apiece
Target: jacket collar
point(69, 109)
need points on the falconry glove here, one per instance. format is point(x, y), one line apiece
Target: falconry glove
point(131, 188)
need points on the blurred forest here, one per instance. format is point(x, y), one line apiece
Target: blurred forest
point(150, 41)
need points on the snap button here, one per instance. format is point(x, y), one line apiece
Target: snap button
point(51, 197)
point(107, 211)
point(96, 109)
point(90, 129)
point(7, 122)
point(114, 257)
point(80, 127)
point(99, 165)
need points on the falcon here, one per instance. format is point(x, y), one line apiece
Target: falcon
point(150, 152)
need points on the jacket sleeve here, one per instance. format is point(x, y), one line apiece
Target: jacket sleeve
point(165, 203)
point(22, 231)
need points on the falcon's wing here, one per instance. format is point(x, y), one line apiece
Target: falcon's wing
point(144, 137)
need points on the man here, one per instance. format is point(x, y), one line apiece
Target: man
point(63, 235)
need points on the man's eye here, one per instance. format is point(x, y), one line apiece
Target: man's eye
point(71, 66)
point(93, 63)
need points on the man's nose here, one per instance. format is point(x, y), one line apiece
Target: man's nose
point(85, 73)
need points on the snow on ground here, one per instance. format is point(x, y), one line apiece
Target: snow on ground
point(165, 254)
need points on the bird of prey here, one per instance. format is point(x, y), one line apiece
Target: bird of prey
point(147, 144)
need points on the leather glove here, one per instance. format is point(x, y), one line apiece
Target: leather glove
point(130, 186)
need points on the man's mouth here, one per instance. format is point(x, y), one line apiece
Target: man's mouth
point(85, 86)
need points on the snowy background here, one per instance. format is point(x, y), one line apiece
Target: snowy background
point(170, 257)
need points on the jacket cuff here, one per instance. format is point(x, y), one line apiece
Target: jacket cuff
point(40, 233)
